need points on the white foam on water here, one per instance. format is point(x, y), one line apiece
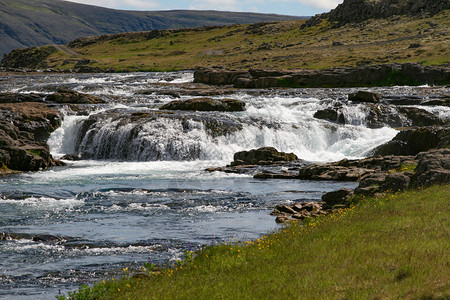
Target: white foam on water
point(45, 203)
point(25, 246)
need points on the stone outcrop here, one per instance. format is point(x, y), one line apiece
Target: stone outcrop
point(17, 97)
point(433, 168)
point(299, 211)
point(262, 156)
point(24, 129)
point(413, 141)
point(382, 115)
point(353, 170)
point(332, 114)
point(355, 11)
point(364, 96)
point(375, 75)
point(205, 104)
point(338, 197)
point(66, 96)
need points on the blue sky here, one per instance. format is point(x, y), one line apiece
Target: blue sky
point(286, 7)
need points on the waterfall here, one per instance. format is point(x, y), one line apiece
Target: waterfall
point(284, 123)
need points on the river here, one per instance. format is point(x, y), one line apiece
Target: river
point(141, 193)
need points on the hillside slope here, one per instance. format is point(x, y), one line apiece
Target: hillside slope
point(28, 23)
point(354, 11)
point(276, 45)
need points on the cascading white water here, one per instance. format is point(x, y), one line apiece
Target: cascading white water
point(284, 123)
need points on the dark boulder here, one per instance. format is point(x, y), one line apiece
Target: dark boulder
point(370, 183)
point(299, 211)
point(205, 104)
point(433, 168)
point(396, 182)
point(363, 96)
point(262, 156)
point(64, 95)
point(24, 128)
point(337, 197)
point(413, 141)
point(19, 97)
point(330, 114)
point(420, 117)
point(72, 157)
point(380, 115)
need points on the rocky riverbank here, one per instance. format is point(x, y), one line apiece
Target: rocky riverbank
point(427, 164)
point(24, 129)
point(373, 75)
point(26, 122)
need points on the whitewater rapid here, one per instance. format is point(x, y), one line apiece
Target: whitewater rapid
point(284, 123)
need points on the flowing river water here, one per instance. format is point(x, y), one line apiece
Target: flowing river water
point(141, 193)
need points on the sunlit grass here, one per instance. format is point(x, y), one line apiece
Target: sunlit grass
point(241, 46)
point(394, 247)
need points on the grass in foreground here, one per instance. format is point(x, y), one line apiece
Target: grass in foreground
point(394, 247)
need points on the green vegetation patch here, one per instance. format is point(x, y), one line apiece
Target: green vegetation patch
point(275, 45)
point(393, 247)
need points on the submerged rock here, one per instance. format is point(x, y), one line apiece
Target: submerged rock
point(205, 104)
point(47, 239)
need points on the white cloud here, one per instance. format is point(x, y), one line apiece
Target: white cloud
point(235, 5)
point(320, 4)
point(123, 4)
point(230, 5)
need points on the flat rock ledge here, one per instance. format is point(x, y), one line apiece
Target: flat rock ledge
point(267, 160)
point(374, 75)
point(205, 104)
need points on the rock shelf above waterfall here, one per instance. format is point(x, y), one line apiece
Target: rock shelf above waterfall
point(205, 104)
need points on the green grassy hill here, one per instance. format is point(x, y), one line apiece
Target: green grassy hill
point(423, 39)
point(28, 23)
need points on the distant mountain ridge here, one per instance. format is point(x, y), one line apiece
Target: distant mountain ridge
point(29, 23)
